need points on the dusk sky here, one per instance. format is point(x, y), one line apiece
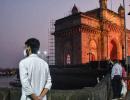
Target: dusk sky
point(23, 19)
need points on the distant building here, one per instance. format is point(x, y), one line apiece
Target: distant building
point(90, 36)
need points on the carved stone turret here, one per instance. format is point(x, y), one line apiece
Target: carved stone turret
point(121, 11)
point(103, 8)
point(74, 9)
point(103, 4)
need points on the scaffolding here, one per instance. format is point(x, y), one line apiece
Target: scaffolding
point(51, 44)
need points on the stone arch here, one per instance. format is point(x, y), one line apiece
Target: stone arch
point(93, 50)
point(113, 50)
point(68, 53)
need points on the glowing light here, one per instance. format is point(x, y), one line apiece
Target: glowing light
point(45, 53)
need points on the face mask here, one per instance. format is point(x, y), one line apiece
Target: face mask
point(25, 53)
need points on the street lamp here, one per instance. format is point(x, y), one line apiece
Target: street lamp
point(43, 55)
point(129, 12)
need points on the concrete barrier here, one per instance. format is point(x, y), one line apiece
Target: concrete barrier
point(102, 91)
point(15, 93)
point(4, 94)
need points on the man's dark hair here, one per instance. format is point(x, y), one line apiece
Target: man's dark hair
point(116, 60)
point(34, 44)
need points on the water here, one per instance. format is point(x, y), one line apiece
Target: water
point(5, 80)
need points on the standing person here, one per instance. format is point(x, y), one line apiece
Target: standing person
point(34, 73)
point(124, 73)
point(124, 81)
point(116, 76)
point(110, 65)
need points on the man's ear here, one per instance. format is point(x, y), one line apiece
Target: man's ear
point(30, 50)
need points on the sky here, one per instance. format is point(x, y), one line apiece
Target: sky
point(23, 19)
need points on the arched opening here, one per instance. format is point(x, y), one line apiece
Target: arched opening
point(92, 51)
point(113, 50)
point(67, 53)
point(68, 59)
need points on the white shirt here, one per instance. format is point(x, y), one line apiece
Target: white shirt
point(116, 70)
point(34, 76)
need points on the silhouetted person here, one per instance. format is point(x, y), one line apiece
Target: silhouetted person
point(116, 76)
point(124, 73)
point(110, 65)
point(34, 73)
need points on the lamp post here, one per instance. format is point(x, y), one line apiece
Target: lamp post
point(89, 53)
point(89, 56)
point(126, 58)
point(125, 33)
point(123, 52)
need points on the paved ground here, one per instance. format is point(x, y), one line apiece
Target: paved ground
point(127, 96)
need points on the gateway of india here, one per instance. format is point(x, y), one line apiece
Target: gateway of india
point(95, 35)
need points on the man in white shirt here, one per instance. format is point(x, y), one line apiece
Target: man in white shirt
point(116, 76)
point(34, 73)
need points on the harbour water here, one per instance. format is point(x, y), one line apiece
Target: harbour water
point(5, 80)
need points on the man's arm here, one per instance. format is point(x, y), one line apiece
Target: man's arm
point(25, 81)
point(43, 93)
point(47, 85)
point(34, 97)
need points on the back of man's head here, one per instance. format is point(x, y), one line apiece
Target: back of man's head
point(34, 44)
